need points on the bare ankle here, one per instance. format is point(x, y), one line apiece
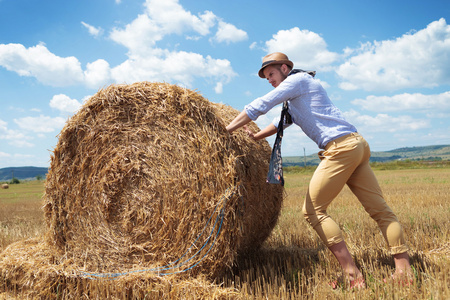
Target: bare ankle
point(399, 273)
point(346, 261)
point(402, 264)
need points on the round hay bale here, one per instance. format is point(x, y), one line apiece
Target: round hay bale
point(31, 270)
point(5, 186)
point(145, 176)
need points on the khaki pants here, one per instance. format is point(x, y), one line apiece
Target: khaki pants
point(346, 161)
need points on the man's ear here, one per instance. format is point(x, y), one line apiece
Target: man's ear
point(285, 69)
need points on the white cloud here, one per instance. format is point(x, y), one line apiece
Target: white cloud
point(139, 36)
point(21, 143)
point(324, 84)
point(181, 67)
point(97, 73)
point(171, 17)
point(41, 123)
point(94, 31)
point(161, 18)
point(3, 126)
point(3, 154)
point(145, 60)
point(305, 48)
point(193, 38)
point(415, 60)
point(228, 33)
point(19, 155)
point(14, 137)
point(53, 70)
point(406, 102)
point(63, 103)
point(385, 122)
point(219, 88)
point(40, 63)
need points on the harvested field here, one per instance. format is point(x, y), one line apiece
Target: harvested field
point(40, 260)
point(292, 263)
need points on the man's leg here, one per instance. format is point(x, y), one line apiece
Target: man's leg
point(336, 167)
point(364, 185)
point(345, 259)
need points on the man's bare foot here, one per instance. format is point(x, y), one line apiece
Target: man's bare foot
point(349, 282)
point(401, 277)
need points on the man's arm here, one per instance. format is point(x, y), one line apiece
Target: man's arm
point(243, 119)
point(268, 131)
point(238, 122)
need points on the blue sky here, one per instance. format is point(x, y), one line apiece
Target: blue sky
point(385, 64)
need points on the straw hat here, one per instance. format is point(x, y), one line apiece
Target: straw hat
point(272, 59)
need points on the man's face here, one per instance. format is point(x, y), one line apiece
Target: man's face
point(276, 74)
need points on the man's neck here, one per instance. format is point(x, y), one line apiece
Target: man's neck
point(294, 71)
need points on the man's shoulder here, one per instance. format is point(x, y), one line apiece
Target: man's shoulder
point(300, 71)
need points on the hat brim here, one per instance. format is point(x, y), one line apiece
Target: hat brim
point(273, 62)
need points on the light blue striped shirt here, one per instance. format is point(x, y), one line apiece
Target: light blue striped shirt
point(309, 107)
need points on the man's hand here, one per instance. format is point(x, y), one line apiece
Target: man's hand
point(242, 120)
point(238, 122)
point(250, 133)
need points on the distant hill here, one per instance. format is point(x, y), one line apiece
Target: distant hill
point(438, 152)
point(21, 173)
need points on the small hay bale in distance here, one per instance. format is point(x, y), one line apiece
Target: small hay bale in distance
point(5, 186)
point(140, 174)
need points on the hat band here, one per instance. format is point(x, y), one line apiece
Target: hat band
point(267, 62)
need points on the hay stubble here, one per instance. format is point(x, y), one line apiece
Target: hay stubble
point(144, 176)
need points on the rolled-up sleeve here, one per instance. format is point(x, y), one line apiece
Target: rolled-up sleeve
point(276, 121)
point(256, 108)
point(262, 105)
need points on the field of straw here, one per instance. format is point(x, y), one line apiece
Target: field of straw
point(292, 263)
point(148, 196)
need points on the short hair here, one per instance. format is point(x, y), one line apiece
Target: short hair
point(278, 66)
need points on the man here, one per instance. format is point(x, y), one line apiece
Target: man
point(344, 160)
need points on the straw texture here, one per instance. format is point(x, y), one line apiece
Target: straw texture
point(146, 177)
